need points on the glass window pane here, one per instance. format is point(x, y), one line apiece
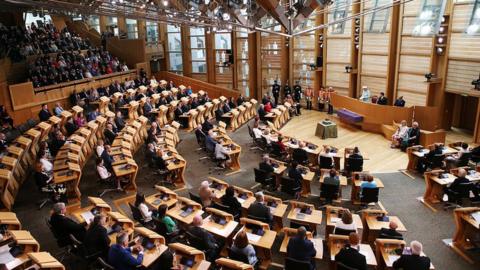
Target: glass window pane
point(223, 41)
point(175, 60)
point(152, 32)
point(172, 28)
point(199, 67)
point(197, 42)
point(198, 54)
point(429, 18)
point(174, 42)
point(340, 12)
point(197, 31)
point(474, 26)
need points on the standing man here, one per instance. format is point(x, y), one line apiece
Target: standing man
point(276, 91)
point(309, 97)
point(328, 100)
point(297, 92)
point(382, 99)
point(287, 90)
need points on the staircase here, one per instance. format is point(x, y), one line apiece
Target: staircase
point(82, 29)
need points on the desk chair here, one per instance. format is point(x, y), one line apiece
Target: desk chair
point(329, 192)
point(255, 142)
point(103, 264)
point(369, 195)
point(354, 165)
point(161, 229)
point(44, 189)
point(262, 177)
point(289, 186)
point(326, 162)
point(237, 256)
point(226, 209)
point(435, 162)
point(340, 231)
point(196, 242)
point(65, 245)
point(457, 198)
point(200, 136)
point(464, 159)
point(475, 158)
point(81, 251)
point(277, 152)
point(265, 145)
point(341, 266)
point(137, 216)
point(109, 183)
point(195, 198)
point(293, 264)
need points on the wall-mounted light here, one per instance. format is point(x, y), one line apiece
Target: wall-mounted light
point(440, 40)
point(440, 50)
point(429, 76)
point(348, 69)
point(476, 83)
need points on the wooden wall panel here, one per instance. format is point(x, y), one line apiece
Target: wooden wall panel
point(201, 77)
point(464, 46)
point(414, 64)
point(337, 78)
point(461, 17)
point(416, 45)
point(412, 98)
point(460, 75)
point(412, 8)
point(374, 65)
point(375, 43)
point(376, 85)
point(338, 50)
point(408, 25)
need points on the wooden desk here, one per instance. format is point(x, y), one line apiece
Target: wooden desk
point(355, 194)
point(333, 216)
point(307, 177)
point(290, 232)
point(466, 228)
point(178, 214)
point(94, 202)
point(128, 170)
point(229, 264)
point(10, 219)
point(218, 187)
point(435, 183)
point(263, 244)
point(151, 255)
point(26, 241)
point(373, 226)
point(177, 166)
point(127, 225)
point(244, 196)
point(198, 257)
point(311, 220)
point(163, 196)
point(45, 261)
point(224, 231)
point(386, 252)
point(337, 242)
point(71, 179)
point(278, 209)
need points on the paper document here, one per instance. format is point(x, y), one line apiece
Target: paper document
point(87, 216)
point(393, 258)
point(253, 237)
point(335, 219)
point(476, 216)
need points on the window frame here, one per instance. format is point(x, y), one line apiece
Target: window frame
point(340, 14)
point(473, 20)
point(198, 48)
point(373, 17)
point(150, 25)
point(129, 33)
point(170, 52)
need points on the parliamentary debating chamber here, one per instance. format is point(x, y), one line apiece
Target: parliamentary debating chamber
point(239, 134)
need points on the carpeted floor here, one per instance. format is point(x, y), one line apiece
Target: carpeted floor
point(398, 197)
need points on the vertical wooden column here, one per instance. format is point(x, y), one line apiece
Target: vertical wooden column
point(234, 57)
point(392, 53)
point(186, 51)
point(476, 131)
point(209, 41)
point(253, 77)
point(103, 23)
point(354, 52)
point(258, 52)
point(142, 29)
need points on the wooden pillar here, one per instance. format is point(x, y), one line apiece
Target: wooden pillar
point(210, 43)
point(354, 52)
point(234, 57)
point(186, 51)
point(476, 131)
point(253, 50)
point(142, 29)
point(392, 53)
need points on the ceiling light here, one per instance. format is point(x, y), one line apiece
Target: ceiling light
point(165, 3)
point(440, 40)
point(226, 16)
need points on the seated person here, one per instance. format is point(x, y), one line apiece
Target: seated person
point(47, 165)
point(368, 182)
point(325, 159)
point(262, 112)
point(65, 226)
point(153, 157)
point(221, 154)
point(390, 232)
point(413, 259)
point(109, 133)
point(332, 178)
point(57, 142)
point(100, 147)
point(142, 206)
point(96, 239)
point(414, 134)
point(206, 126)
point(206, 194)
point(107, 158)
point(266, 165)
point(210, 142)
point(165, 219)
point(259, 210)
point(119, 121)
point(104, 174)
point(300, 248)
point(295, 173)
point(355, 161)
point(280, 144)
point(120, 254)
point(399, 102)
point(242, 246)
point(432, 157)
point(299, 154)
point(346, 222)
point(229, 199)
point(350, 255)
point(400, 135)
point(210, 244)
point(462, 156)
point(257, 133)
point(42, 179)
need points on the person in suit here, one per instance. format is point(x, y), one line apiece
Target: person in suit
point(299, 154)
point(70, 126)
point(109, 133)
point(399, 102)
point(350, 256)
point(178, 113)
point(57, 142)
point(210, 141)
point(107, 158)
point(206, 126)
point(390, 232)
point(454, 187)
point(382, 99)
point(64, 226)
point(266, 165)
point(331, 178)
point(240, 100)
point(93, 115)
point(413, 261)
point(414, 134)
point(120, 254)
point(287, 90)
point(276, 91)
point(147, 107)
point(96, 239)
point(208, 241)
point(262, 112)
point(258, 209)
point(44, 113)
point(3, 142)
point(300, 248)
point(119, 121)
point(295, 174)
point(229, 199)
point(297, 92)
point(226, 108)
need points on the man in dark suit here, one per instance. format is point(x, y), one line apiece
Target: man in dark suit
point(205, 239)
point(414, 134)
point(455, 187)
point(266, 165)
point(300, 248)
point(120, 254)
point(93, 114)
point(259, 210)
point(350, 256)
point(414, 261)
point(299, 154)
point(64, 226)
point(109, 133)
point(147, 107)
point(57, 143)
point(107, 158)
point(382, 99)
point(44, 113)
point(119, 121)
point(297, 92)
point(206, 126)
point(276, 91)
point(96, 239)
point(400, 102)
point(262, 112)
point(390, 232)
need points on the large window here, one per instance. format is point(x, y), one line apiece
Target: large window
point(112, 23)
point(132, 29)
point(37, 18)
point(474, 26)
point(340, 12)
point(243, 68)
point(223, 57)
point(198, 52)
point(174, 38)
point(378, 20)
point(429, 19)
point(94, 22)
point(152, 32)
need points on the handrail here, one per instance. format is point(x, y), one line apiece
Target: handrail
point(60, 85)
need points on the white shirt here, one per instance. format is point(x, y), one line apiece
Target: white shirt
point(351, 227)
point(47, 165)
point(103, 172)
point(220, 151)
point(257, 132)
point(100, 149)
point(146, 213)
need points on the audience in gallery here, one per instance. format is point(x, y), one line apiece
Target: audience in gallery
point(399, 102)
point(400, 135)
point(300, 248)
point(365, 97)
